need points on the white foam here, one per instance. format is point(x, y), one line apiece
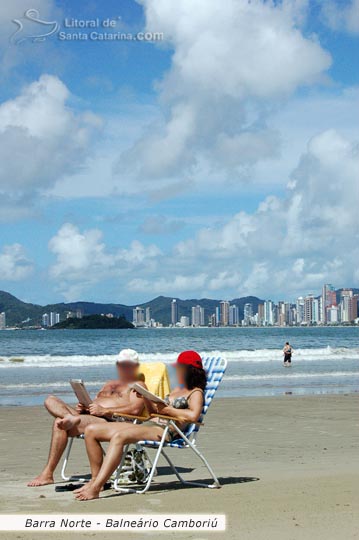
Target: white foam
point(258, 355)
point(291, 375)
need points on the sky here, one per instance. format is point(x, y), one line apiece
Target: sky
point(218, 157)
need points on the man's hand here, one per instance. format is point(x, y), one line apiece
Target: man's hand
point(96, 410)
point(80, 408)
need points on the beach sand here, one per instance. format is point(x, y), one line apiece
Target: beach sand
point(289, 468)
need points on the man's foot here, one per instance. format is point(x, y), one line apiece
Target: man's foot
point(68, 422)
point(41, 480)
point(88, 493)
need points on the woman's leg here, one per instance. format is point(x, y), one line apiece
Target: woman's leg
point(122, 434)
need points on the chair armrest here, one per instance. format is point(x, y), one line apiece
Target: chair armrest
point(165, 417)
point(131, 416)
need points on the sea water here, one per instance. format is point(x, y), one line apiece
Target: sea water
point(35, 363)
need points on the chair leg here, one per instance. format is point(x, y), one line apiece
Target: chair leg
point(66, 459)
point(216, 483)
point(119, 468)
point(152, 473)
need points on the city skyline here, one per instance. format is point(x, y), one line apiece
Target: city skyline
point(332, 306)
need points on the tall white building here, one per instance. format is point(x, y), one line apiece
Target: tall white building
point(332, 314)
point(316, 311)
point(138, 318)
point(148, 315)
point(54, 318)
point(2, 320)
point(268, 313)
point(299, 310)
point(174, 312)
point(197, 316)
point(247, 313)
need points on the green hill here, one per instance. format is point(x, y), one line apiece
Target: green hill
point(93, 322)
point(26, 314)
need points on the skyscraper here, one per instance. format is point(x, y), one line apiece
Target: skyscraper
point(247, 313)
point(260, 320)
point(2, 320)
point(224, 313)
point(329, 298)
point(233, 315)
point(138, 318)
point(174, 312)
point(197, 316)
point(268, 313)
point(217, 316)
point(346, 306)
point(148, 315)
point(54, 318)
point(300, 310)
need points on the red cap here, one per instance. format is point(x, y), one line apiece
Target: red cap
point(190, 358)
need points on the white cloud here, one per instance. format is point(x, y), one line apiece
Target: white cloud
point(83, 259)
point(288, 245)
point(41, 139)
point(228, 64)
point(341, 17)
point(194, 282)
point(14, 264)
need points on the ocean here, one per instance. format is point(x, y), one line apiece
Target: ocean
point(35, 363)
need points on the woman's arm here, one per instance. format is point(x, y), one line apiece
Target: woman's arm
point(195, 405)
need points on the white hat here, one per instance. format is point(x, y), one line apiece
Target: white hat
point(128, 355)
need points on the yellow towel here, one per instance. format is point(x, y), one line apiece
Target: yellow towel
point(156, 378)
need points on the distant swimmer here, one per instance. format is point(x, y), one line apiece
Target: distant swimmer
point(287, 352)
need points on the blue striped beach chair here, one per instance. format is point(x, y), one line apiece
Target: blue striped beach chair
point(215, 368)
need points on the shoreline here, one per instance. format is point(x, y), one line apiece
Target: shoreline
point(286, 395)
point(289, 468)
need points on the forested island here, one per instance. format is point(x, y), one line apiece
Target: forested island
point(93, 322)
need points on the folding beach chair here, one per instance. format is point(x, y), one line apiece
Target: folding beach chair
point(157, 381)
point(215, 368)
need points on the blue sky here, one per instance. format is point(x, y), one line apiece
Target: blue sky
point(219, 161)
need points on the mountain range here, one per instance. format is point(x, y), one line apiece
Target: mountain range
point(24, 313)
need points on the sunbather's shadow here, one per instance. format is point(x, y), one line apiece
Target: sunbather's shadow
point(175, 485)
point(167, 470)
point(224, 481)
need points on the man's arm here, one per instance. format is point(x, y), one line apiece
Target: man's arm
point(133, 406)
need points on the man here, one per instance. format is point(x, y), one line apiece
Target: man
point(287, 352)
point(115, 397)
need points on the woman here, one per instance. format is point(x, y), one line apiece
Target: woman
point(185, 403)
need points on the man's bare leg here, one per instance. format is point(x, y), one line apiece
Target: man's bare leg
point(58, 408)
point(57, 447)
point(69, 421)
